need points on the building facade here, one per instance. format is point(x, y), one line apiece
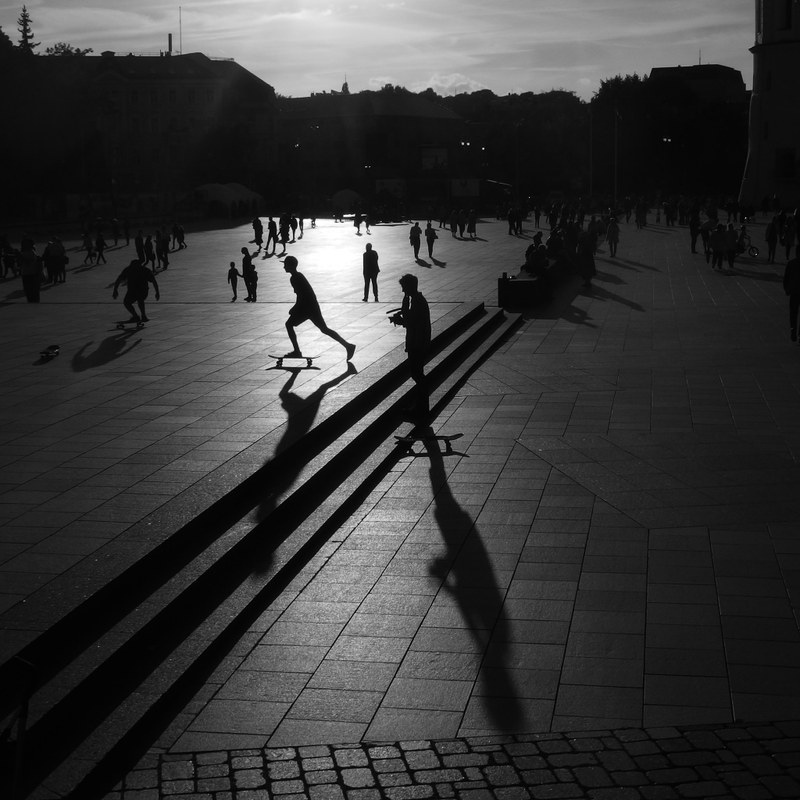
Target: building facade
point(772, 171)
point(391, 148)
point(131, 134)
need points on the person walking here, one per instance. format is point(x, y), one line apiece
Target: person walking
point(306, 308)
point(100, 245)
point(791, 285)
point(137, 277)
point(717, 243)
point(430, 238)
point(415, 237)
point(694, 228)
point(472, 224)
point(771, 235)
point(789, 234)
point(706, 229)
point(272, 236)
point(138, 243)
point(258, 232)
point(612, 236)
point(88, 246)
point(149, 251)
point(415, 317)
point(30, 268)
point(371, 270)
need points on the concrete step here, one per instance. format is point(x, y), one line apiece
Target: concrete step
point(146, 664)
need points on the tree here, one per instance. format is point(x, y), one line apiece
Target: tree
point(65, 49)
point(6, 45)
point(24, 26)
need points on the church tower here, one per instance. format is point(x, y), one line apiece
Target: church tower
point(773, 158)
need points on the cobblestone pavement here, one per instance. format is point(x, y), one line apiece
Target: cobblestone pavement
point(745, 762)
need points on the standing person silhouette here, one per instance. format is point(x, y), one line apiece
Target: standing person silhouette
point(248, 275)
point(415, 317)
point(137, 278)
point(233, 279)
point(371, 270)
point(307, 309)
point(415, 237)
point(430, 238)
point(612, 237)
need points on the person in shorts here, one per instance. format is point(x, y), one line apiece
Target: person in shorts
point(306, 309)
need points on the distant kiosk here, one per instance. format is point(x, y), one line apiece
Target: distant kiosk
point(773, 158)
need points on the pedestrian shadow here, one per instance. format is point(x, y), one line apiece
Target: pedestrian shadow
point(608, 277)
point(421, 262)
point(301, 413)
point(438, 263)
point(599, 293)
point(627, 263)
point(770, 277)
point(110, 349)
point(467, 575)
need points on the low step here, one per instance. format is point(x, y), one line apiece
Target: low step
point(113, 711)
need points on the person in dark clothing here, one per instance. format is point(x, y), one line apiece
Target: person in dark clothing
point(272, 236)
point(248, 275)
point(30, 268)
point(430, 238)
point(415, 317)
point(307, 309)
point(371, 270)
point(138, 243)
point(137, 277)
point(791, 285)
point(233, 279)
point(415, 238)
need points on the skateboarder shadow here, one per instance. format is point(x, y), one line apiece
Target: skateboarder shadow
point(111, 348)
point(467, 574)
point(301, 413)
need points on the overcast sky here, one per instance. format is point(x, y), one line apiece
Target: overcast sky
point(304, 46)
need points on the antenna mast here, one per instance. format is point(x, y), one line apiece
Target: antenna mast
point(180, 30)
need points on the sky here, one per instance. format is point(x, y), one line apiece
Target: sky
point(451, 46)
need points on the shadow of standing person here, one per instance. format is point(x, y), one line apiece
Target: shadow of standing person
point(467, 574)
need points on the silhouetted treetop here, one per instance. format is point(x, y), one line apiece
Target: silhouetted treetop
point(65, 49)
point(24, 26)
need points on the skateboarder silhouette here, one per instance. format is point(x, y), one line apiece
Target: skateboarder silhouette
point(307, 308)
point(137, 278)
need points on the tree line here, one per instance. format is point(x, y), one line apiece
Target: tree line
point(26, 46)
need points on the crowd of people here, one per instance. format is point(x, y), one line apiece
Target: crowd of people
point(717, 229)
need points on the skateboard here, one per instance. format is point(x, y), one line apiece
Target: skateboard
point(280, 359)
point(407, 441)
point(123, 322)
point(50, 352)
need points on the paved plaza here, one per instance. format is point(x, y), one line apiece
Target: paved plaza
point(594, 595)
